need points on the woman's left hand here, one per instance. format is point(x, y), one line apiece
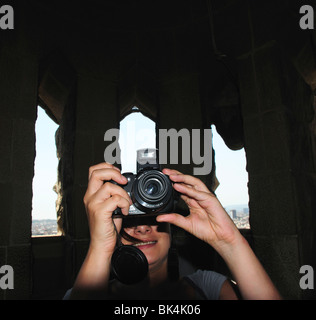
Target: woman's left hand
point(208, 220)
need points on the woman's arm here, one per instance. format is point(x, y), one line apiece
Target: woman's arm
point(252, 280)
point(100, 200)
point(209, 222)
point(92, 280)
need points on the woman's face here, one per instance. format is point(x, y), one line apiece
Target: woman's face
point(153, 240)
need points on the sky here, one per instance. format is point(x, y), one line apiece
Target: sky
point(230, 165)
point(45, 168)
point(131, 140)
point(230, 172)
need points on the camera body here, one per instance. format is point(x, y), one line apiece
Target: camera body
point(151, 190)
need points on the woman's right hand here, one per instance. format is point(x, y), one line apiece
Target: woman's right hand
point(101, 199)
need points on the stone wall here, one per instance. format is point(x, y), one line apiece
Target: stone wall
point(18, 108)
point(274, 59)
point(247, 68)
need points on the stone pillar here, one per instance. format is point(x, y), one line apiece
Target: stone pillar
point(18, 105)
point(277, 111)
point(96, 112)
point(275, 61)
point(177, 94)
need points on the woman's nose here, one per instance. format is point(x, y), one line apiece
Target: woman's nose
point(143, 229)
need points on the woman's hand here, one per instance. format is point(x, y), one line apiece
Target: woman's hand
point(208, 220)
point(101, 199)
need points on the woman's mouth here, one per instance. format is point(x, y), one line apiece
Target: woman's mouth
point(145, 244)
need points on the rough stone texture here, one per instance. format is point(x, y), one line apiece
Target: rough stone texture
point(18, 96)
point(277, 113)
point(248, 63)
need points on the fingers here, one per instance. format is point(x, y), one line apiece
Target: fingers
point(102, 226)
point(116, 201)
point(103, 165)
point(103, 172)
point(106, 191)
point(194, 191)
point(175, 219)
point(99, 210)
point(191, 181)
point(107, 196)
point(170, 171)
point(197, 200)
point(188, 191)
point(191, 203)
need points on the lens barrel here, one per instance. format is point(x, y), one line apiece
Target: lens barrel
point(152, 191)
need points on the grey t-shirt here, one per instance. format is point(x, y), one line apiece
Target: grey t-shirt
point(207, 283)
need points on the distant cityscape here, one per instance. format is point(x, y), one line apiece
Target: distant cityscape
point(44, 227)
point(238, 213)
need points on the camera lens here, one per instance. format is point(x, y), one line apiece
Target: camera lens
point(152, 191)
point(152, 188)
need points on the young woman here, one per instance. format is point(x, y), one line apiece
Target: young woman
point(207, 221)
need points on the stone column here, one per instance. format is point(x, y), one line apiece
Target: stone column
point(18, 107)
point(96, 112)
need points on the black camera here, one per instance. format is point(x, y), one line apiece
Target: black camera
point(151, 191)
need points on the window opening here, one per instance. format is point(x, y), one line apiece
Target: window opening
point(136, 132)
point(44, 216)
point(233, 178)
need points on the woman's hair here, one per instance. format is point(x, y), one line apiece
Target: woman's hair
point(173, 261)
